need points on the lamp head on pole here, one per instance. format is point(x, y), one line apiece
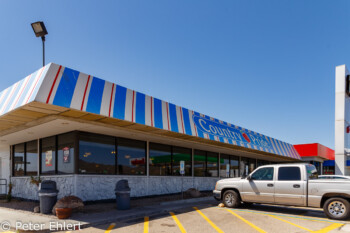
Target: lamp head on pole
point(39, 29)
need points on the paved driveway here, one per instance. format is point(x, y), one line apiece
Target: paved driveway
point(211, 219)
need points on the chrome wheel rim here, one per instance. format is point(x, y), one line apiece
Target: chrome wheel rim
point(337, 208)
point(229, 199)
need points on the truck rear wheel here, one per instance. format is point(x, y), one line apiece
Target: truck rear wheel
point(231, 199)
point(337, 208)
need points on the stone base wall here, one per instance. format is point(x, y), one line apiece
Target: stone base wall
point(101, 187)
point(22, 188)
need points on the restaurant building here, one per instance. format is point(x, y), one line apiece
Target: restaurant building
point(320, 156)
point(86, 134)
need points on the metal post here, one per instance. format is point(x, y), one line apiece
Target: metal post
point(182, 186)
point(43, 39)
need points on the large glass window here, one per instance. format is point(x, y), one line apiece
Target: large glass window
point(65, 153)
point(131, 155)
point(32, 158)
point(252, 165)
point(212, 164)
point(182, 154)
point(96, 154)
point(234, 161)
point(48, 155)
point(225, 166)
point(18, 160)
point(262, 163)
point(244, 167)
point(289, 173)
point(160, 160)
point(229, 163)
point(199, 163)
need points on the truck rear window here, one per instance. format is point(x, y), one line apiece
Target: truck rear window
point(289, 173)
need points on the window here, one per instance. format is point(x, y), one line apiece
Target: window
point(199, 163)
point(97, 154)
point(182, 154)
point(225, 166)
point(48, 155)
point(131, 155)
point(160, 159)
point(212, 164)
point(244, 167)
point(234, 161)
point(32, 158)
point(65, 153)
point(265, 173)
point(289, 173)
point(311, 172)
point(317, 165)
point(206, 163)
point(262, 163)
point(18, 159)
point(252, 165)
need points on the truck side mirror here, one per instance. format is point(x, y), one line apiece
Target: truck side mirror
point(249, 178)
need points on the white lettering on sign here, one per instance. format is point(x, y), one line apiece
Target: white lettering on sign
point(214, 128)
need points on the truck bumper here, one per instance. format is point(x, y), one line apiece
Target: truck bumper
point(217, 195)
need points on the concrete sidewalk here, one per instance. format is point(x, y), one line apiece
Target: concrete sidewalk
point(25, 221)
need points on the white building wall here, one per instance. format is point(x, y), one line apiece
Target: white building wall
point(4, 166)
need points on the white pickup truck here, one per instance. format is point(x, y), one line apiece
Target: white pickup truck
point(287, 184)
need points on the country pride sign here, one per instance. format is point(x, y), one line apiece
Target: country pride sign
point(218, 129)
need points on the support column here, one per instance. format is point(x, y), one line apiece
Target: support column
point(342, 108)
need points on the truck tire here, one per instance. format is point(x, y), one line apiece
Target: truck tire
point(337, 208)
point(231, 199)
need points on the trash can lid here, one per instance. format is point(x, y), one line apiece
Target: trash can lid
point(122, 185)
point(48, 191)
point(48, 184)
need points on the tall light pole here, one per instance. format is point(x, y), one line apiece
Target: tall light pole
point(40, 31)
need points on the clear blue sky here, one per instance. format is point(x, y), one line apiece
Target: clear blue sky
point(264, 65)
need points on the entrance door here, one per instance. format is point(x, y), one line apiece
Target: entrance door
point(259, 187)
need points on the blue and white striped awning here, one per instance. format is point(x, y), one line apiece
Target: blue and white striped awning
point(64, 87)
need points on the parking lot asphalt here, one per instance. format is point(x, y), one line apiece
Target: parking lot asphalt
point(208, 218)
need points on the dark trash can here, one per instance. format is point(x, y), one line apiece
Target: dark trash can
point(122, 193)
point(48, 196)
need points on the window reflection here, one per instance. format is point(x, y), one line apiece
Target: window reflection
point(96, 154)
point(160, 160)
point(200, 163)
point(131, 157)
point(65, 153)
point(18, 169)
point(225, 166)
point(182, 154)
point(48, 155)
point(234, 172)
point(32, 158)
point(212, 164)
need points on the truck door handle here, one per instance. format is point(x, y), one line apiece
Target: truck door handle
point(269, 185)
point(296, 186)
